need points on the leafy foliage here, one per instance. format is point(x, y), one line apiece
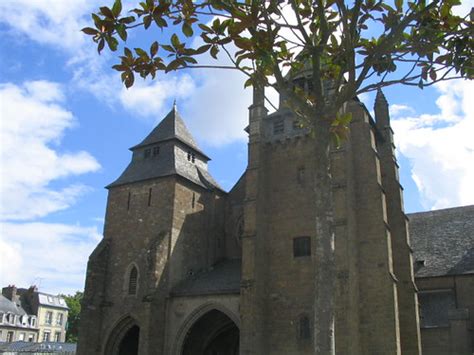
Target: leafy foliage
point(357, 46)
point(74, 304)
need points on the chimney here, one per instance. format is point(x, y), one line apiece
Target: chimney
point(10, 293)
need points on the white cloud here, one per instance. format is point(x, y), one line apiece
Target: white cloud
point(52, 256)
point(148, 98)
point(33, 121)
point(396, 109)
point(440, 147)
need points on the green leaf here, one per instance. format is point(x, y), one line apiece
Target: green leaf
point(97, 21)
point(140, 52)
point(187, 29)
point(117, 8)
point(420, 84)
point(399, 5)
point(127, 52)
point(128, 78)
point(203, 49)
point(204, 28)
point(127, 20)
point(214, 51)
point(120, 67)
point(122, 32)
point(90, 31)
point(160, 21)
point(147, 21)
point(101, 45)
point(112, 42)
point(154, 49)
point(175, 40)
point(168, 48)
point(107, 12)
point(190, 60)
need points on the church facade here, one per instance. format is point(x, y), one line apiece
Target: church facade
point(187, 268)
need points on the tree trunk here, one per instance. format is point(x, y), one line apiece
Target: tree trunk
point(324, 305)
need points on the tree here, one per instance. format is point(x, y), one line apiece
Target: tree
point(74, 304)
point(348, 48)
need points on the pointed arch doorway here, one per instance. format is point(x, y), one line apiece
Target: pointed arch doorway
point(214, 333)
point(124, 339)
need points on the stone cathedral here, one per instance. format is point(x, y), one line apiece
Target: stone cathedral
point(186, 268)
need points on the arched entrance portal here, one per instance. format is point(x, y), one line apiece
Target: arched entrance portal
point(129, 343)
point(212, 334)
point(124, 338)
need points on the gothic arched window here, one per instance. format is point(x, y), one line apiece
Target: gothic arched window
point(132, 281)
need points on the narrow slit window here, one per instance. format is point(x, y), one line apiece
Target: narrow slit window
point(301, 246)
point(128, 200)
point(132, 281)
point(193, 202)
point(149, 196)
point(300, 175)
point(304, 328)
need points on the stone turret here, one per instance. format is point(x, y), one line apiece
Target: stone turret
point(397, 221)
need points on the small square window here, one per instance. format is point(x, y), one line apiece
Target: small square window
point(278, 127)
point(301, 246)
point(156, 151)
point(147, 153)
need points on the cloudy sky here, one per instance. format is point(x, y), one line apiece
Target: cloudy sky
point(67, 124)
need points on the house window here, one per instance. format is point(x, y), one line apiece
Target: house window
point(31, 338)
point(21, 337)
point(278, 127)
point(49, 318)
point(304, 328)
point(156, 151)
point(435, 306)
point(191, 156)
point(32, 321)
point(128, 200)
point(301, 246)
point(132, 281)
point(46, 335)
point(59, 319)
point(147, 153)
point(57, 337)
point(1, 317)
point(193, 202)
point(9, 337)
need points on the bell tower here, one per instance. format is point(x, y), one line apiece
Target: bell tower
point(162, 224)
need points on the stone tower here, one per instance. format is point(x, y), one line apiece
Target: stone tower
point(375, 299)
point(163, 223)
point(188, 269)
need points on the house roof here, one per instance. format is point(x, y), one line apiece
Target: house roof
point(171, 127)
point(224, 277)
point(39, 348)
point(171, 133)
point(443, 241)
point(45, 299)
point(8, 306)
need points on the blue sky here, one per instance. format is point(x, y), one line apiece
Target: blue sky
point(67, 124)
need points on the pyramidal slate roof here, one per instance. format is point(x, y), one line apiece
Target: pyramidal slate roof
point(171, 127)
point(443, 241)
point(170, 133)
